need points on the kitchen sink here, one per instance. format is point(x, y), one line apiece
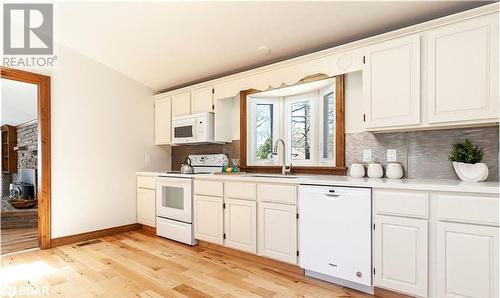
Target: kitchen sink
point(274, 176)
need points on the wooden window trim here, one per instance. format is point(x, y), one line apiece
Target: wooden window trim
point(44, 190)
point(339, 169)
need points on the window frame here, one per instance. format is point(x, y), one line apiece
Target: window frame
point(275, 127)
point(321, 129)
point(288, 101)
point(322, 168)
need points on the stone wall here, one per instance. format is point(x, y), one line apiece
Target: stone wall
point(27, 138)
point(27, 142)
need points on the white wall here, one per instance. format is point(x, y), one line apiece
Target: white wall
point(102, 127)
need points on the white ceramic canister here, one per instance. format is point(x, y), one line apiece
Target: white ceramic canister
point(375, 170)
point(394, 170)
point(357, 170)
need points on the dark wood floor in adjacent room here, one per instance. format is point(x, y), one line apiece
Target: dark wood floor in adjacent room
point(12, 240)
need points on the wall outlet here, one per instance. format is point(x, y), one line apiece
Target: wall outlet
point(391, 155)
point(367, 155)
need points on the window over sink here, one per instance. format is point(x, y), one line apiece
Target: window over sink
point(308, 117)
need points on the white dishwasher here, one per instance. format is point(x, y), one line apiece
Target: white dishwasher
point(335, 234)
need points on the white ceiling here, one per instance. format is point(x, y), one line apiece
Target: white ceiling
point(19, 102)
point(168, 44)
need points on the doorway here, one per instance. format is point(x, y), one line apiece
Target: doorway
point(25, 125)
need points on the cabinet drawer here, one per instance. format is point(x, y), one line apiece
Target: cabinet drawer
point(277, 193)
point(146, 182)
point(468, 209)
point(208, 188)
point(402, 203)
point(240, 190)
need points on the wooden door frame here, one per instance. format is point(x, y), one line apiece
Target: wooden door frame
point(44, 166)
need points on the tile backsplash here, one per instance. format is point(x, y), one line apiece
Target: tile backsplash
point(424, 154)
point(179, 153)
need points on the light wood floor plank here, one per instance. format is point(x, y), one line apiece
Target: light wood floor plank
point(136, 264)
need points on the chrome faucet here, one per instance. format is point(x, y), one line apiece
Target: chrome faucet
point(284, 169)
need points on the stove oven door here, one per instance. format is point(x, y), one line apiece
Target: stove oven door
point(174, 198)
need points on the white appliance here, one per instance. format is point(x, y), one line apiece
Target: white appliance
point(193, 129)
point(335, 235)
point(174, 198)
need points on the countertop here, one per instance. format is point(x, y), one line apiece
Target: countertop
point(447, 185)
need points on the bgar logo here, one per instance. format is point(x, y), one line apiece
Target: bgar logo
point(28, 31)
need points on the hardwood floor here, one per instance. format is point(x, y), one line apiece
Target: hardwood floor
point(135, 264)
point(12, 240)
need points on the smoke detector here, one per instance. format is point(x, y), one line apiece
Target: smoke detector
point(264, 50)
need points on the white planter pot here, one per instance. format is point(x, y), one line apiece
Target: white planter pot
point(471, 172)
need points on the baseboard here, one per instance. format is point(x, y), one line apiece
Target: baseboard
point(149, 230)
point(94, 234)
point(254, 258)
point(383, 293)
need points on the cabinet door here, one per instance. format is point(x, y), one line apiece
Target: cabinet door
point(208, 219)
point(463, 71)
point(467, 260)
point(278, 232)
point(391, 83)
point(401, 254)
point(163, 117)
point(146, 207)
point(240, 225)
point(181, 104)
point(202, 100)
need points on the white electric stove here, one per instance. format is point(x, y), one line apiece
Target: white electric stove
point(174, 198)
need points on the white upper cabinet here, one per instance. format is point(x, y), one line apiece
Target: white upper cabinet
point(463, 71)
point(163, 117)
point(181, 104)
point(467, 260)
point(391, 83)
point(202, 100)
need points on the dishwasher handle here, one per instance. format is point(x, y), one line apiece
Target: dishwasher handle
point(332, 195)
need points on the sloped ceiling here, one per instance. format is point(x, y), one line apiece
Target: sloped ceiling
point(19, 102)
point(168, 44)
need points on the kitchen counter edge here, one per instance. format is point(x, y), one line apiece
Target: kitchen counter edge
point(440, 185)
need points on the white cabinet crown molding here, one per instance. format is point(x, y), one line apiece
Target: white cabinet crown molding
point(338, 50)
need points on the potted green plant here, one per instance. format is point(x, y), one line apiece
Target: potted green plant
point(467, 162)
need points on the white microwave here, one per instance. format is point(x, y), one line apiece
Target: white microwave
point(193, 129)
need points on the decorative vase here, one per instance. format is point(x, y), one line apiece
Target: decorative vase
point(375, 170)
point(357, 170)
point(471, 172)
point(394, 170)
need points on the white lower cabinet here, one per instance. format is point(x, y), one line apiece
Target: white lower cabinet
point(146, 201)
point(467, 260)
point(209, 219)
point(277, 230)
point(146, 206)
point(401, 254)
point(240, 224)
